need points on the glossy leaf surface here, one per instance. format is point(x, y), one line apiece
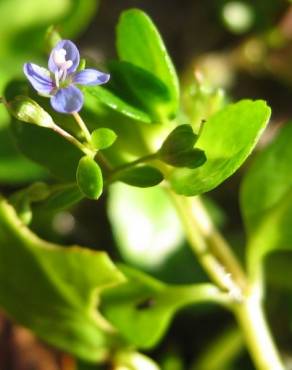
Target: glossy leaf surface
point(227, 139)
point(139, 43)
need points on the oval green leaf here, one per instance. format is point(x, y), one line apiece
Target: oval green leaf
point(181, 139)
point(142, 176)
point(139, 42)
point(89, 178)
point(227, 138)
point(143, 89)
point(103, 138)
point(114, 101)
point(190, 159)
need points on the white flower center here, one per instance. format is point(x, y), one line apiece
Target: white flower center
point(59, 57)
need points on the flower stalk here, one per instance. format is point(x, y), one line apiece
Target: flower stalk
point(82, 126)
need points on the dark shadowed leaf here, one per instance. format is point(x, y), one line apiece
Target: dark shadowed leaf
point(266, 198)
point(142, 176)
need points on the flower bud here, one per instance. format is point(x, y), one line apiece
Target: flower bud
point(27, 110)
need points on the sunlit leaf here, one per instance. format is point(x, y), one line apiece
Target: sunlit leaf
point(114, 101)
point(227, 139)
point(142, 308)
point(139, 43)
point(102, 138)
point(142, 88)
point(53, 290)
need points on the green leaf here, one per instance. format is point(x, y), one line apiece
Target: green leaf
point(141, 176)
point(103, 138)
point(139, 43)
point(266, 197)
point(63, 197)
point(143, 89)
point(15, 168)
point(112, 100)
point(268, 179)
point(58, 287)
point(89, 178)
point(143, 307)
point(157, 234)
point(181, 139)
point(227, 138)
point(23, 199)
point(44, 146)
point(191, 159)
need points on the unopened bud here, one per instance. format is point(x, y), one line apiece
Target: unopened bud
point(27, 110)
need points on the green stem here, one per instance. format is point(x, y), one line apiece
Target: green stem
point(98, 155)
point(71, 139)
point(82, 126)
point(212, 250)
point(216, 256)
point(102, 160)
point(134, 163)
point(258, 338)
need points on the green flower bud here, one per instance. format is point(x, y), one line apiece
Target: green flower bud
point(27, 110)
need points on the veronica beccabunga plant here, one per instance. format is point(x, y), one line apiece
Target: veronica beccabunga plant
point(140, 133)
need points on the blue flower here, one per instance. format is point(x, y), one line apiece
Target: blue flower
point(58, 82)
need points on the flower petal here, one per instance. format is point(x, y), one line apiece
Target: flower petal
point(68, 100)
point(39, 77)
point(72, 54)
point(91, 77)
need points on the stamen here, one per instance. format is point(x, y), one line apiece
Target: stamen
point(57, 78)
point(59, 57)
point(64, 75)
